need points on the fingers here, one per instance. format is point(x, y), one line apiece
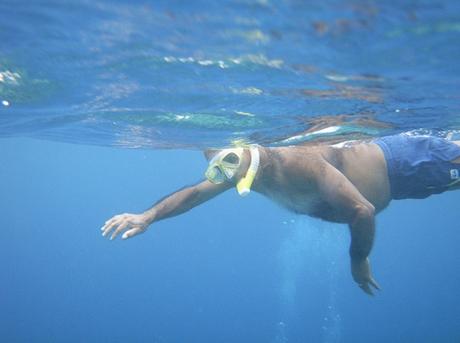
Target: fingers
point(120, 223)
point(107, 224)
point(119, 229)
point(374, 283)
point(365, 287)
point(109, 227)
point(110, 224)
point(131, 233)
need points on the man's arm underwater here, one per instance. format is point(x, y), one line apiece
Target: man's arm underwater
point(170, 206)
point(359, 213)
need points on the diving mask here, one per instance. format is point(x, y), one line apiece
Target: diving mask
point(224, 165)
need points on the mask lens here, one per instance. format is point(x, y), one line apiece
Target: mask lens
point(231, 158)
point(215, 175)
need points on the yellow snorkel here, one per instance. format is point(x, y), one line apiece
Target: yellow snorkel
point(244, 185)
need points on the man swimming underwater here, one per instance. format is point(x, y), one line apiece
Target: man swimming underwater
point(343, 183)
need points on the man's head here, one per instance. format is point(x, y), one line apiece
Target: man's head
point(236, 165)
point(224, 165)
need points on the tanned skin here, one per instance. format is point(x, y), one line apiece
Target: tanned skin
point(346, 184)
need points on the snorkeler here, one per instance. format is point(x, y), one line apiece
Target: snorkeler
point(343, 183)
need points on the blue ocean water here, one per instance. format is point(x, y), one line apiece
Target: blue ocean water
point(82, 81)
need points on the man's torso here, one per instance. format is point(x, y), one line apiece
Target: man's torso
point(291, 178)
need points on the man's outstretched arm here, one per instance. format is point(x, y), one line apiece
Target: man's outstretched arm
point(170, 206)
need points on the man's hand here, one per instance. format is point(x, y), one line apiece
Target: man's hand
point(361, 271)
point(132, 224)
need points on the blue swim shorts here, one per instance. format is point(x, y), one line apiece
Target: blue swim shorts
point(419, 166)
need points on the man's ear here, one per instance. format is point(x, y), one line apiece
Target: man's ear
point(210, 153)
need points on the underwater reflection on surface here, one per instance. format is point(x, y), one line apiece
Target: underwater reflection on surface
point(205, 74)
